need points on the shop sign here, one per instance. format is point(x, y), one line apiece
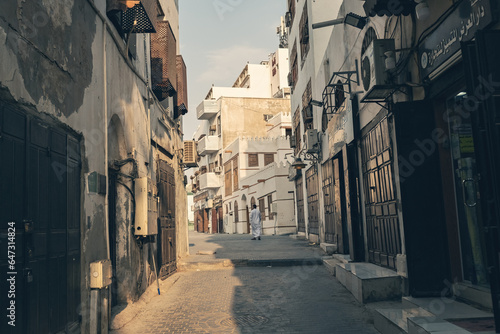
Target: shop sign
point(460, 26)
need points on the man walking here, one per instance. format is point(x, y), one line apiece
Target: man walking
point(255, 221)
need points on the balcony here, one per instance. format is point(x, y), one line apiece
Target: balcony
point(209, 180)
point(207, 109)
point(208, 145)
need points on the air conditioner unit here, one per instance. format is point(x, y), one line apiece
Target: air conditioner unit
point(190, 154)
point(146, 207)
point(311, 142)
point(218, 170)
point(376, 79)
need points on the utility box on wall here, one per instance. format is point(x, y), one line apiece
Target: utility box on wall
point(100, 274)
point(146, 207)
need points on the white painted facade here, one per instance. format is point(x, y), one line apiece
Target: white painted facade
point(263, 182)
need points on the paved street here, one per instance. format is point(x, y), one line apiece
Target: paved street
point(260, 299)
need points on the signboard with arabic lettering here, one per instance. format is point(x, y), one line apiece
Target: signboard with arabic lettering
point(461, 25)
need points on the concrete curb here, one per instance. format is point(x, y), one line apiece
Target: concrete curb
point(226, 263)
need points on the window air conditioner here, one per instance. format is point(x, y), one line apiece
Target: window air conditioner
point(218, 170)
point(190, 154)
point(311, 142)
point(376, 79)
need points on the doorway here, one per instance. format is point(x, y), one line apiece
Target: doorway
point(467, 194)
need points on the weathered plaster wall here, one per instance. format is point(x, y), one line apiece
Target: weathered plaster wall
point(60, 59)
point(245, 116)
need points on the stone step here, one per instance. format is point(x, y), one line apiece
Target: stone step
point(331, 265)
point(368, 282)
point(445, 308)
point(395, 320)
point(426, 316)
point(328, 248)
point(432, 325)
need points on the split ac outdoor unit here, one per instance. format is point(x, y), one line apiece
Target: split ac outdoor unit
point(146, 207)
point(218, 170)
point(190, 153)
point(375, 77)
point(311, 142)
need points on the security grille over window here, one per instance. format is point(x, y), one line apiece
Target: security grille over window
point(164, 61)
point(133, 16)
point(182, 99)
point(334, 98)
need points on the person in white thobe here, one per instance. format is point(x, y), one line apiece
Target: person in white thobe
point(255, 222)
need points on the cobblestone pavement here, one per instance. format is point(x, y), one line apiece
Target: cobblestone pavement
point(301, 299)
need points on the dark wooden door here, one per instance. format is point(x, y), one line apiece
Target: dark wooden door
point(167, 256)
point(40, 217)
point(312, 185)
point(299, 192)
point(382, 223)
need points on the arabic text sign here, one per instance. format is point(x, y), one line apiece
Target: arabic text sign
point(460, 25)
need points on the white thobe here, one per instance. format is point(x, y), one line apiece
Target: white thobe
point(255, 220)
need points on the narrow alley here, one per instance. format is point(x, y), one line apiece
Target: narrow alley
point(253, 296)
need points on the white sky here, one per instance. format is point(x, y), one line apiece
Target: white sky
point(217, 39)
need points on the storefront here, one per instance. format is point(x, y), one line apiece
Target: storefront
point(458, 64)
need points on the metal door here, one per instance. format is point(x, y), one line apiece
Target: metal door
point(382, 224)
point(312, 187)
point(40, 216)
point(299, 191)
point(166, 232)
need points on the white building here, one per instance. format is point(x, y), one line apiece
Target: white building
point(256, 172)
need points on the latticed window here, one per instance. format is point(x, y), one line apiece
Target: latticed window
point(304, 35)
point(268, 158)
point(298, 133)
point(294, 74)
point(164, 61)
point(235, 178)
point(253, 160)
point(262, 208)
point(227, 179)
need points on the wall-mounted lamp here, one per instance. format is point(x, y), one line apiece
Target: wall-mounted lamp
point(298, 164)
point(350, 19)
point(422, 10)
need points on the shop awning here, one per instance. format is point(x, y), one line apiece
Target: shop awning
point(389, 7)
